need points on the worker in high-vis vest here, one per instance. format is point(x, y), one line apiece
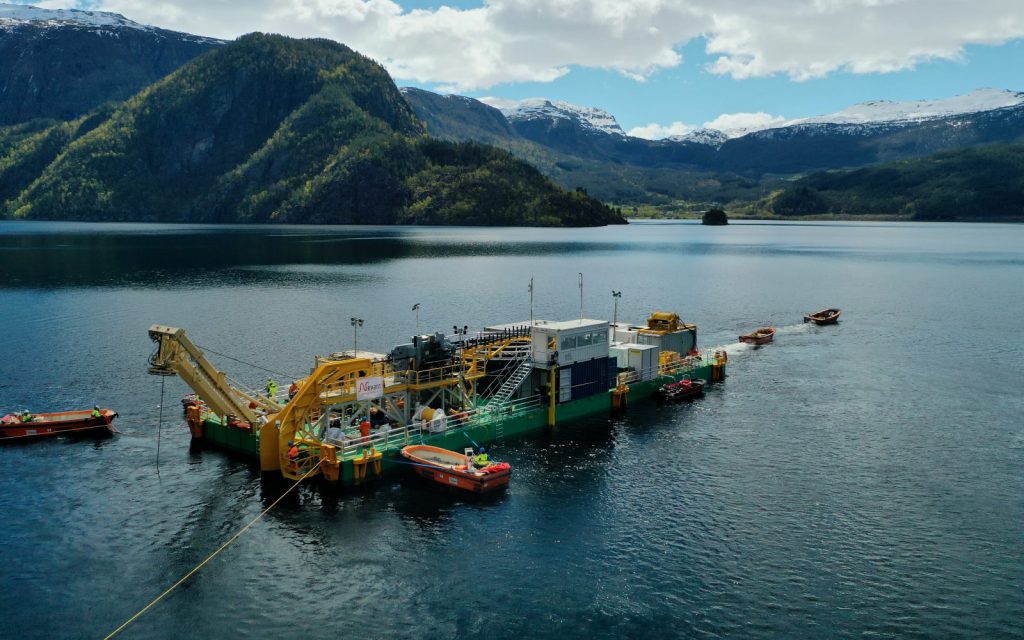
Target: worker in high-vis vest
point(96, 412)
point(293, 455)
point(271, 388)
point(481, 459)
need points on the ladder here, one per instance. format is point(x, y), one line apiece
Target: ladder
point(511, 385)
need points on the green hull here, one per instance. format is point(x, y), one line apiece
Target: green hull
point(485, 430)
point(239, 441)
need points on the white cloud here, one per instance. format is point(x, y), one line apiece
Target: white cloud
point(745, 122)
point(540, 40)
point(56, 4)
point(732, 124)
point(813, 39)
point(655, 131)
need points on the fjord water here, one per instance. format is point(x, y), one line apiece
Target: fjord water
point(859, 480)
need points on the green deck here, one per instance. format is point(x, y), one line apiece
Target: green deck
point(484, 430)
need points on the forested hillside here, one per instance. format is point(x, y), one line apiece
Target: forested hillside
point(968, 184)
point(270, 128)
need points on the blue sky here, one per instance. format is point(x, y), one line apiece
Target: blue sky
point(648, 62)
point(690, 94)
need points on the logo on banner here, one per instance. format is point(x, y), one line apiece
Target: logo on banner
point(370, 388)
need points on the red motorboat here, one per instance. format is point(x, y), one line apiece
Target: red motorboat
point(685, 389)
point(825, 316)
point(764, 335)
point(453, 469)
point(14, 427)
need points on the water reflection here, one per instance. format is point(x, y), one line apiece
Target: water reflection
point(832, 467)
point(174, 256)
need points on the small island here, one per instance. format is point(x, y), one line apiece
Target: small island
point(715, 217)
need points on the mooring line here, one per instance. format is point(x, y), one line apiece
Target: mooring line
point(210, 557)
point(160, 424)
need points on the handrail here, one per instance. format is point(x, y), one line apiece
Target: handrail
point(683, 365)
point(413, 433)
point(505, 374)
point(417, 432)
point(475, 356)
point(447, 372)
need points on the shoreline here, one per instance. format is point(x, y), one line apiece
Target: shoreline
point(835, 217)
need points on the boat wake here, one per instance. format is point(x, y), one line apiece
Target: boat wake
point(737, 348)
point(793, 328)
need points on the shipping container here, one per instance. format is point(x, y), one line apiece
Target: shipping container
point(682, 341)
point(591, 377)
point(641, 358)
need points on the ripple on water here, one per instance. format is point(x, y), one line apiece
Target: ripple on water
point(860, 480)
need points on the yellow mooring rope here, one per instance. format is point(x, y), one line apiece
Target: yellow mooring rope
point(210, 557)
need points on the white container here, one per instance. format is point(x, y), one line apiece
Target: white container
point(643, 359)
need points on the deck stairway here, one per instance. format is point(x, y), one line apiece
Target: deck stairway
point(511, 384)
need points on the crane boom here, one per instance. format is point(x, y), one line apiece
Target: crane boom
point(176, 354)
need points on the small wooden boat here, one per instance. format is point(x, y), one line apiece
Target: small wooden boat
point(825, 316)
point(43, 425)
point(764, 335)
point(453, 469)
point(683, 390)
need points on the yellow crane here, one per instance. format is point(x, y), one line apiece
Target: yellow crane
point(176, 354)
point(335, 384)
point(331, 382)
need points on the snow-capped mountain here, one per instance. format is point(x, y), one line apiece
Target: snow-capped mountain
point(589, 118)
point(14, 15)
point(873, 116)
point(710, 137)
point(861, 135)
point(878, 111)
point(63, 63)
point(11, 14)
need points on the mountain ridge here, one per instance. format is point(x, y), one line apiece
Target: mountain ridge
point(589, 118)
point(13, 15)
point(274, 129)
point(708, 166)
point(61, 64)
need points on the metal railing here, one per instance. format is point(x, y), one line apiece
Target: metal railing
point(503, 375)
point(687, 364)
point(511, 383)
point(394, 438)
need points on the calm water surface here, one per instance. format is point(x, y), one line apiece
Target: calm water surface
point(861, 481)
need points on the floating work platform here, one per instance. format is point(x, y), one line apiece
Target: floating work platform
point(351, 416)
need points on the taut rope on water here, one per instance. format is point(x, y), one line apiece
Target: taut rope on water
point(213, 555)
point(160, 424)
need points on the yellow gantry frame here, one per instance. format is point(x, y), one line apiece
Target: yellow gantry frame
point(330, 379)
